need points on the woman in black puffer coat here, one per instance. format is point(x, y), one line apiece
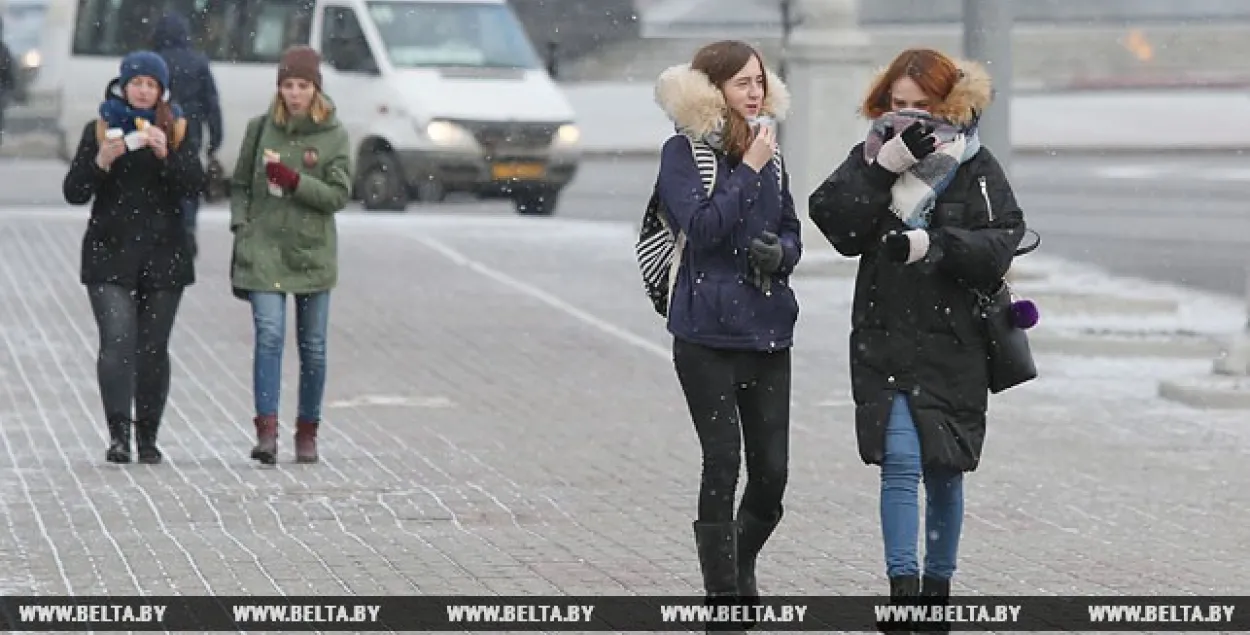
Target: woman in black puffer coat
point(133, 168)
point(933, 220)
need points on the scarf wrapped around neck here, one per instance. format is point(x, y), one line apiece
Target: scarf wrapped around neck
point(917, 189)
point(716, 137)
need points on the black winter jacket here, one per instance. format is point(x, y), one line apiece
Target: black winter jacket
point(135, 237)
point(915, 328)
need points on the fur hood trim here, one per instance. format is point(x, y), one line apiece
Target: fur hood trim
point(697, 107)
point(967, 100)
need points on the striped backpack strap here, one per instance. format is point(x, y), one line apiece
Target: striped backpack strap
point(659, 247)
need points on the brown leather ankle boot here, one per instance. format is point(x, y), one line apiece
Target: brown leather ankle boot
point(306, 441)
point(266, 450)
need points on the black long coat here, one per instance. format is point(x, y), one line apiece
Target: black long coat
point(915, 327)
point(136, 236)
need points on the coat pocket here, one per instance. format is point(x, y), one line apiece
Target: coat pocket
point(950, 215)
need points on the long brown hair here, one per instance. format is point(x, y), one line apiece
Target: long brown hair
point(165, 120)
point(319, 110)
point(933, 72)
point(720, 61)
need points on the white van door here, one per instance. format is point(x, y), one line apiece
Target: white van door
point(351, 73)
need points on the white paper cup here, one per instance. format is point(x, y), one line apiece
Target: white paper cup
point(135, 140)
point(114, 133)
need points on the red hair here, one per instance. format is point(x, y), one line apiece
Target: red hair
point(934, 72)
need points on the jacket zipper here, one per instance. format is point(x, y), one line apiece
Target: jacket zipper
point(986, 195)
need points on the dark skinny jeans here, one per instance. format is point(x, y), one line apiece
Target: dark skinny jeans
point(738, 398)
point(133, 363)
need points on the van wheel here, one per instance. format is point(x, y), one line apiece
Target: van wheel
point(382, 186)
point(536, 203)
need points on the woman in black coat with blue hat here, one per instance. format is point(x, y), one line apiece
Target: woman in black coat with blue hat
point(134, 170)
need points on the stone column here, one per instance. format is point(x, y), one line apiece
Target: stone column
point(829, 66)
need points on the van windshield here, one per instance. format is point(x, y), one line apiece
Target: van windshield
point(456, 34)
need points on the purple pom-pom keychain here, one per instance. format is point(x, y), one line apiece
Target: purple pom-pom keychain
point(1024, 313)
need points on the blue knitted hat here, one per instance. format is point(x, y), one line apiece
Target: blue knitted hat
point(144, 63)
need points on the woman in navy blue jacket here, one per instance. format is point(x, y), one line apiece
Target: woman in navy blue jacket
point(732, 311)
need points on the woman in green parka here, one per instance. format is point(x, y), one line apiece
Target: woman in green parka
point(292, 176)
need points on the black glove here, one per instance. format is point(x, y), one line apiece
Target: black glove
point(766, 252)
point(898, 153)
point(919, 139)
point(897, 246)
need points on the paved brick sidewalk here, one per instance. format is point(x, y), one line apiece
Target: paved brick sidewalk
point(502, 417)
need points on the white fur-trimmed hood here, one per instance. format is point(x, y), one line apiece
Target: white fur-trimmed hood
point(697, 107)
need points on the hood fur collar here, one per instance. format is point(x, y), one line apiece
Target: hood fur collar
point(970, 96)
point(697, 107)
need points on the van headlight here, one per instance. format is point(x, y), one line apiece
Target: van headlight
point(568, 135)
point(32, 59)
point(446, 133)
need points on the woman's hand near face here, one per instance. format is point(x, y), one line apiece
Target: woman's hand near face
point(110, 149)
point(157, 141)
point(762, 149)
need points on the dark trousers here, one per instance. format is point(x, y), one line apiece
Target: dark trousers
point(736, 399)
point(133, 363)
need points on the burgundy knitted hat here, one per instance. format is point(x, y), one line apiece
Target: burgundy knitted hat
point(300, 62)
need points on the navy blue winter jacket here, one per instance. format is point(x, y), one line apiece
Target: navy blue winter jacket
point(191, 80)
point(713, 303)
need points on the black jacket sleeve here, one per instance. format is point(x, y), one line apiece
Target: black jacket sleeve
point(852, 207)
point(981, 256)
point(84, 176)
point(212, 110)
point(183, 172)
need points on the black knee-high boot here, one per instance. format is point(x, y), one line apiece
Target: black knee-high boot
point(717, 544)
point(936, 592)
point(903, 591)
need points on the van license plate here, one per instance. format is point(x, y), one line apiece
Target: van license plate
point(518, 171)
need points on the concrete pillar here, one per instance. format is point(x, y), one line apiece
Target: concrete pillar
point(987, 39)
point(828, 66)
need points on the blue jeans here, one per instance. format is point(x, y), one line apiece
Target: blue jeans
point(901, 472)
point(312, 320)
point(190, 211)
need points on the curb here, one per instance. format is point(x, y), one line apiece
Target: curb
point(1213, 392)
point(1070, 303)
point(1175, 346)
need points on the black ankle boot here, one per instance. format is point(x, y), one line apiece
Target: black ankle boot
point(752, 534)
point(934, 592)
point(904, 590)
point(119, 441)
point(717, 545)
point(145, 440)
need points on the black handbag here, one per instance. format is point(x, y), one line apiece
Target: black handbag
point(1008, 355)
point(1009, 359)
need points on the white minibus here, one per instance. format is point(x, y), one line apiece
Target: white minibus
point(439, 96)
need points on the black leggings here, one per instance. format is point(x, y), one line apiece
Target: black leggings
point(133, 365)
point(738, 397)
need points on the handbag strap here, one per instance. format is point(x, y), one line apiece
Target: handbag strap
point(1028, 250)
